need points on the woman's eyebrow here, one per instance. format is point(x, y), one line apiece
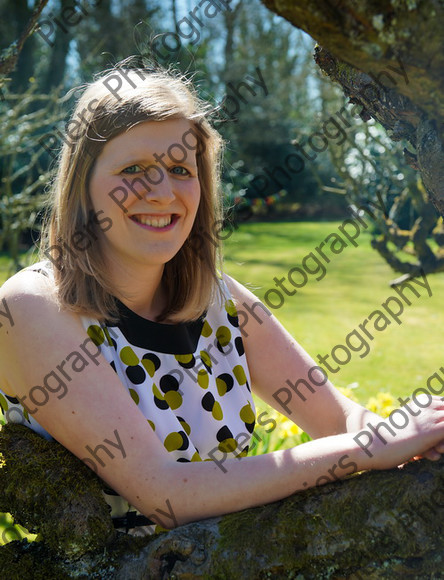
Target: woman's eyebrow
point(133, 161)
point(150, 159)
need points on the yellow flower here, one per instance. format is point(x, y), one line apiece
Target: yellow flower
point(347, 391)
point(288, 429)
point(382, 404)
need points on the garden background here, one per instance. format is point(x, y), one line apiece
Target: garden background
point(277, 212)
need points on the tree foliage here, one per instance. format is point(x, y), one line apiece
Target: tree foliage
point(362, 46)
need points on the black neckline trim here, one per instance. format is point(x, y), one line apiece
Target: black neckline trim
point(181, 338)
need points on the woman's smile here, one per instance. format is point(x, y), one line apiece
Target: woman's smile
point(158, 223)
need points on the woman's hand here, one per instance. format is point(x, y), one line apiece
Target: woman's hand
point(422, 435)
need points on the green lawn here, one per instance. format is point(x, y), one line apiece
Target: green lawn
point(322, 313)
point(4, 267)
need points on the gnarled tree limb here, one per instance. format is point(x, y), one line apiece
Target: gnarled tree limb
point(382, 524)
point(9, 56)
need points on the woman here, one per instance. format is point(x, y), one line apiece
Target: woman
point(124, 344)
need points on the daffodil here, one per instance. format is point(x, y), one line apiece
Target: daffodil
point(347, 391)
point(382, 404)
point(288, 429)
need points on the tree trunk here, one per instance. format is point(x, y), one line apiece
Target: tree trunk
point(59, 51)
point(381, 524)
point(389, 59)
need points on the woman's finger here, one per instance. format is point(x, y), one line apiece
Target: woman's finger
point(432, 454)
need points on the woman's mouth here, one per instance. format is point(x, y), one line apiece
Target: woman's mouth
point(161, 222)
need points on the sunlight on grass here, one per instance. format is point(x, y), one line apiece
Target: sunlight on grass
point(6, 265)
point(322, 313)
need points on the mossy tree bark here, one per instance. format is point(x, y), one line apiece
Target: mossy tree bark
point(373, 525)
point(360, 45)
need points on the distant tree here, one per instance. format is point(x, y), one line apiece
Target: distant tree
point(408, 231)
point(388, 61)
point(25, 170)
point(259, 127)
point(113, 31)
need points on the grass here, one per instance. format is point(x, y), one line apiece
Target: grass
point(7, 268)
point(10, 532)
point(322, 313)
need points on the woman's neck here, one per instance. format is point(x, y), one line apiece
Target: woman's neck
point(140, 290)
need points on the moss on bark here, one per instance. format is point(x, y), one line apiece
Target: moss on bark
point(382, 524)
point(51, 492)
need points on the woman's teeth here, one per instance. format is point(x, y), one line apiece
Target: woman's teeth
point(154, 222)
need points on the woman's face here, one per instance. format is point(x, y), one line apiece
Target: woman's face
point(146, 181)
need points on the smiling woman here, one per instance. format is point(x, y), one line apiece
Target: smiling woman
point(158, 220)
point(173, 372)
point(152, 139)
point(153, 174)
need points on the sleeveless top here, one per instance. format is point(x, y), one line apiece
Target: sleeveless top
point(190, 381)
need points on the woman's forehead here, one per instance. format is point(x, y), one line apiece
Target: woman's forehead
point(154, 138)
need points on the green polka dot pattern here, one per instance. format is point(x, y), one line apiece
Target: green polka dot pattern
point(198, 401)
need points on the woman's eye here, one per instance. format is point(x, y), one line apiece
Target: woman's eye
point(179, 170)
point(132, 169)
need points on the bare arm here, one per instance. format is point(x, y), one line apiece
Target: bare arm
point(287, 378)
point(97, 407)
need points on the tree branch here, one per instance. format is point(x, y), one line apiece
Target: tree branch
point(8, 59)
point(388, 59)
point(381, 524)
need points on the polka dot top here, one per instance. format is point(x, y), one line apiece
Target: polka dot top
point(190, 381)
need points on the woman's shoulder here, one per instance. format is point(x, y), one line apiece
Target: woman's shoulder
point(29, 300)
point(33, 326)
point(34, 284)
point(237, 292)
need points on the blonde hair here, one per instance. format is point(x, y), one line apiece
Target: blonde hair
point(190, 278)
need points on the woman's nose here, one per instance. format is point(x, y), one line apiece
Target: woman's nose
point(161, 190)
point(155, 185)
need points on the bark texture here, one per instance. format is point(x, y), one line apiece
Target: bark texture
point(373, 525)
point(389, 59)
